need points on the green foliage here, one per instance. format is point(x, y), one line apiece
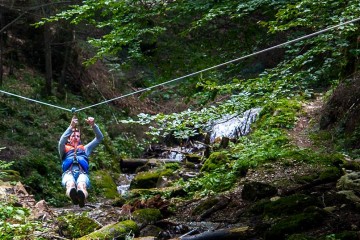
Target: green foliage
point(130, 146)
point(207, 184)
point(15, 222)
point(4, 166)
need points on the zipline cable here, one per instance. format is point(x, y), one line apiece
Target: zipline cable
point(33, 100)
point(73, 110)
point(222, 64)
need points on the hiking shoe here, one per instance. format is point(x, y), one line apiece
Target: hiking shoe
point(74, 196)
point(81, 198)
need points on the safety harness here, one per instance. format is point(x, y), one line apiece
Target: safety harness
point(71, 163)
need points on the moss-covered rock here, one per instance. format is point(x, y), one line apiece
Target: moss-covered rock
point(285, 206)
point(120, 231)
point(150, 179)
point(346, 235)
point(350, 181)
point(330, 174)
point(145, 180)
point(104, 184)
point(147, 215)
point(214, 161)
point(295, 224)
point(75, 226)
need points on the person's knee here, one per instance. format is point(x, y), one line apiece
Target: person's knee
point(70, 184)
point(81, 185)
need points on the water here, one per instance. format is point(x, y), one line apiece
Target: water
point(124, 183)
point(233, 126)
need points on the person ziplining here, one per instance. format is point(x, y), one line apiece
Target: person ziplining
point(75, 160)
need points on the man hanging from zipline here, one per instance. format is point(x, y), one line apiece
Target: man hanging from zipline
point(75, 157)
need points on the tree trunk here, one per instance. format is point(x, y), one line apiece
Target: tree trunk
point(68, 53)
point(48, 62)
point(1, 48)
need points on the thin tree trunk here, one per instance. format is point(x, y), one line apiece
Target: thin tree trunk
point(48, 62)
point(68, 53)
point(1, 48)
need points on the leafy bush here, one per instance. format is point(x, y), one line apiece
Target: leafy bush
point(14, 222)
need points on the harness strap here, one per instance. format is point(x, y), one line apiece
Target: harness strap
point(72, 171)
point(75, 158)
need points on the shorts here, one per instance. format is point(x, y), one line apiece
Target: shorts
point(77, 178)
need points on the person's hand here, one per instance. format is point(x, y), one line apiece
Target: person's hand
point(74, 122)
point(90, 121)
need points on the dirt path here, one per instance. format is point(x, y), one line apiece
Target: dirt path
point(306, 123)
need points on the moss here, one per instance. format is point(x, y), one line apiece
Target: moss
point(327, 174)
point(214, 161)
point(279, 114)
point(189, 165)
point(172, 166)
point(104, 184)
point(205, 205)
point(120, 231)
point(346, 235)
point(285, 206)
point(303, 179)
point(295, 224)
point(351, 165)
point(300, 237)
point(147, 215)
point(330, 174)
point(75, 226)
point(145, 180)
point(166, 172)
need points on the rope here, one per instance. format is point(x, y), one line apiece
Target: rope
point(73, 110)
point(33, 100)
point(222, 64)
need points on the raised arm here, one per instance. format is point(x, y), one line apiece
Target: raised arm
point(64, 137)
point(98, 136)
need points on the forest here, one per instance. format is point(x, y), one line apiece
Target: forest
point(158, 76)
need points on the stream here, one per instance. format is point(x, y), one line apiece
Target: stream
point(229, 126)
